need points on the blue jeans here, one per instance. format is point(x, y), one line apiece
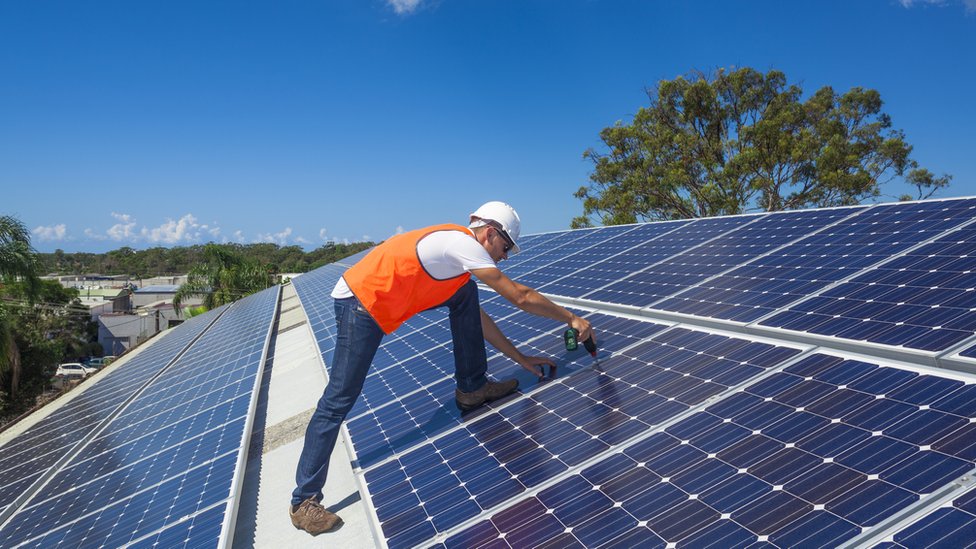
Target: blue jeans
point(357, 338)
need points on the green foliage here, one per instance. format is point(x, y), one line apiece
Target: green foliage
point(223, 277)
point(18, 260)
point(191, 312)
point(41, 322)
point(179, 260)
point(742, 140)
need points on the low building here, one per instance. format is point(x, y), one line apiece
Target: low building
point(105, 300)
point(167, 280)
point(118, 332)
point(151, 294)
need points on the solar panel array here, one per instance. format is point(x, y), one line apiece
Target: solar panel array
point(153, 453)
point(768, 378)
point(788, 379)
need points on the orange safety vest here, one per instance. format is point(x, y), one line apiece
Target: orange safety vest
point(393, 285)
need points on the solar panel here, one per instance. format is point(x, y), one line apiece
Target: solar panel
point(29, 457)
point(631, 278)
point(173, 453)
point(923, 299)
point(686, 434)
point(952, 525)
point(478, 465)
point(414, 401)
point(557, 276)
point(797, 270)
point(572, 242)
point(809, 455)
point(681, 434)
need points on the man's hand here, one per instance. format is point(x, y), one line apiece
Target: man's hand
point(582, 326)
point(534, 364)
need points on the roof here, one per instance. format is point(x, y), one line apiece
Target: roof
point(717, 409)
point(159, 289)
point(101, 292)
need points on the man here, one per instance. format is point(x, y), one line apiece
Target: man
point(401, 277)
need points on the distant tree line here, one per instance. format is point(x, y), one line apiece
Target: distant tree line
point(182, 259)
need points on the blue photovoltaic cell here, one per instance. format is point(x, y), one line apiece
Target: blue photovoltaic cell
point(26, 457)
point(414, 401)
point(557, 249)
point(621, 279)
point(533, 243)
point(925, 299)
point(806, 457)
point(951, 526)
point(416, 355)
point(559, 277)
point(171, 453)
point(314, 290)
point(728, 251)
point(731, 250)
point(530, 254)
point(797, 270)
point(499, 455)
point(202, 530)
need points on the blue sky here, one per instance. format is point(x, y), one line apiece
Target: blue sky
point(172, 123)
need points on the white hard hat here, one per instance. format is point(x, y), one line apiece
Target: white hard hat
point(503, 215)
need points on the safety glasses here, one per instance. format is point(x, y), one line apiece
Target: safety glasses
point(509, 243)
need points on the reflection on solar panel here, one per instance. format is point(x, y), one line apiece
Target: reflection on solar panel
point(30, 456)
point(924, 299)
point(166, 462)
point(688, 434)
point(557, 428)
point(797, 270)
point(816, 454)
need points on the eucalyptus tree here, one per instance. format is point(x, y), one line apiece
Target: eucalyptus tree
point(741, 140)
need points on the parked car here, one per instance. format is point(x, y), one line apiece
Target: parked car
point(106, 360)
point(74, 369)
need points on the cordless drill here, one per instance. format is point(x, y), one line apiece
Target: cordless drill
point(570, 337)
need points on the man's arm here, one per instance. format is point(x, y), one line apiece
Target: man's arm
point(498, 340)
point(530, 301)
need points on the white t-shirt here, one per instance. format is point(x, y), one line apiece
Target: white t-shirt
point(444, 254)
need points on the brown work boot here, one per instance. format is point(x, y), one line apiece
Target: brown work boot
point(493, 390)
point(310, 516)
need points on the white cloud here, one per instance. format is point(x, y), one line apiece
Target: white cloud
point(322, 234)
point(403, 7)
point(302, 240)
point(969, 5)
point(124, 229)
point(280, 238)
point(214, 231)
point(54, 232)
point(185, 229)
point(238, 236)
point(399, 230)
point(93, 235)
